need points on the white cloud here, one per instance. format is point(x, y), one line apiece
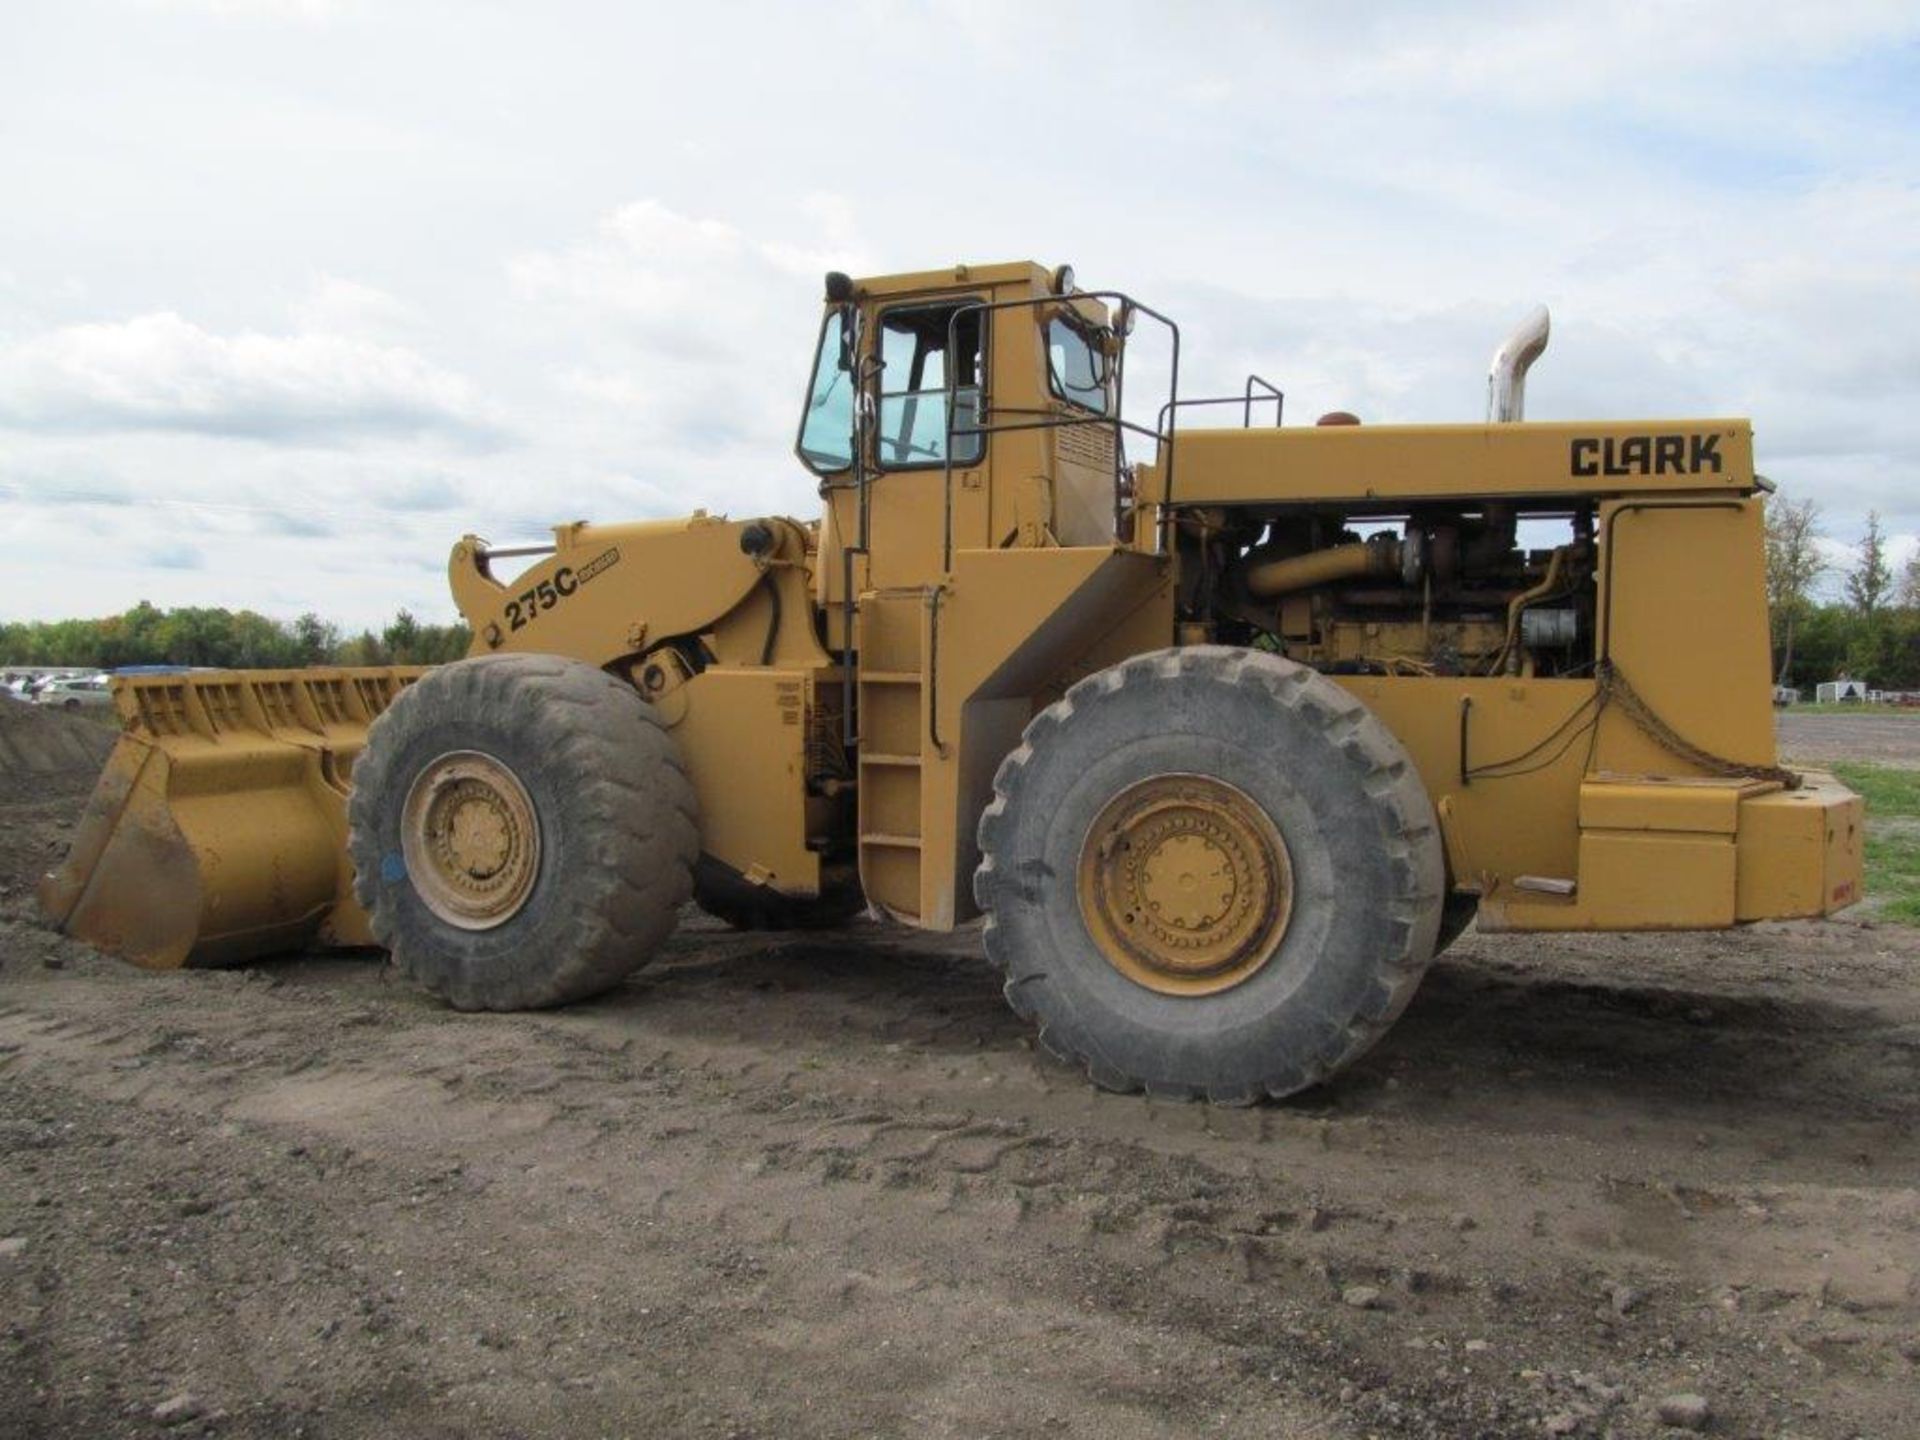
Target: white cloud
point(692, 340)
point(691, 287)
point(346, 307)
point(1548, 56)
point(175, 556)
point(308, 11)
point(360, 238)
point(654, 273)
point(162, 372)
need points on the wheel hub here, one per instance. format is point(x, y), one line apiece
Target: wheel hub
point(471, 840)
point(1185, 884)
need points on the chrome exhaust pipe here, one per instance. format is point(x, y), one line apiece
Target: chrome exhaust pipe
point(1507, 377)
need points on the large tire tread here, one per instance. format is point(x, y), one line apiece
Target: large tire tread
point(1407, 832)
point(634, 810)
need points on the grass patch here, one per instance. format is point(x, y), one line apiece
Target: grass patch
point(1893, 836)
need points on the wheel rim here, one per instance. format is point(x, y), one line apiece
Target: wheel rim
point(471, 840)
point(1185, 884)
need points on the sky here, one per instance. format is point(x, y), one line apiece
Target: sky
point(294, 293)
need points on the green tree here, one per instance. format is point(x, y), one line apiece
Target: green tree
point(242, 639)
point(364, 649)
point(1891, 651)
point(261, 644)
point(1870, 580)
point(443, 644)
point(141, 626)
point(401, 639)
point(1825, 635)
point(316, 641)
point(1794, 563)
point(407, 642)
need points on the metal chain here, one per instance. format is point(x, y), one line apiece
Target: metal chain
point(1615, 688)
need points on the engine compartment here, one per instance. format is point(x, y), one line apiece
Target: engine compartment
point(1437, 589)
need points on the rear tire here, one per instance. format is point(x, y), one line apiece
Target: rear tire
point(1358, 876)
point(569, 868)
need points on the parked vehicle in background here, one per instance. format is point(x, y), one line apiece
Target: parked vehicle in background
point(75, 694)
point(1841, 691)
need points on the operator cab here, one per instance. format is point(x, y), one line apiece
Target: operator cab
point(979, 407)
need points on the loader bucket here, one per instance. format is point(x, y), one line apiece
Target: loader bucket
point(217, 831)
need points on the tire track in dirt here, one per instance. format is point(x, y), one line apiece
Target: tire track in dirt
point(823, 1186)
point(816, 1118)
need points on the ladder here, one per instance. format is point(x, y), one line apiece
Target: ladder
point(898, 636)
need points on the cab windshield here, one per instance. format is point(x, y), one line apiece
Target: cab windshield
point(826, 426)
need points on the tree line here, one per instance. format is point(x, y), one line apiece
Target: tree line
point(1871, 632)
point(230, 639)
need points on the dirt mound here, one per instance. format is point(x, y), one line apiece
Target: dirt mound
point(49, 760)
point(46, 752)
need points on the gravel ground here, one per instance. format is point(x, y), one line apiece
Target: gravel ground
point(822, 1186)
point(1884, 739)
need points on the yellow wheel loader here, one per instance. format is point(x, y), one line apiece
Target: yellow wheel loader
point(1226, 729)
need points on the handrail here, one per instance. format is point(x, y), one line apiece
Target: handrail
point(1244, 400)
point(1163, 435)
point(863, 421)
point(1279, 400)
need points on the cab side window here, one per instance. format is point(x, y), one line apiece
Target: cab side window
point(920, 348)
point(1077, 370)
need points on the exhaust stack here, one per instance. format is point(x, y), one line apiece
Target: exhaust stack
point(1507, 377)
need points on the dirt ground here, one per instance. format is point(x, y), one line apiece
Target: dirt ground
point(783, 1187)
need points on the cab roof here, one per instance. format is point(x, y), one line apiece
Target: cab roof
point(956, 277)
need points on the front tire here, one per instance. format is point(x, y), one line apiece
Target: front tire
point(1209, 872)
point(522, 832)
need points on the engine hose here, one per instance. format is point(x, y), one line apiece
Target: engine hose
point(1525, 598)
